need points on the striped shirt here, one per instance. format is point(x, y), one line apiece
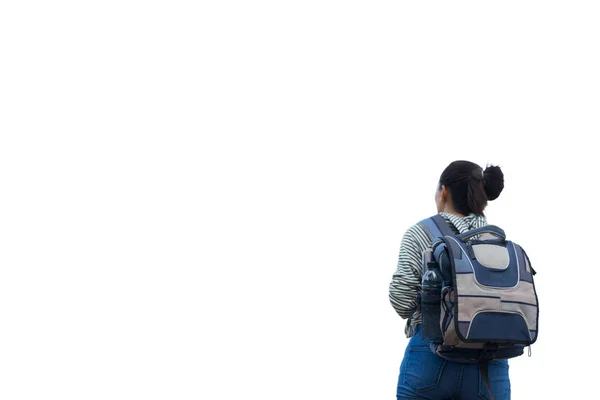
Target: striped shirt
point(406, 282)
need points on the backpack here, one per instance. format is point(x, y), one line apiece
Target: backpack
point(487, 306)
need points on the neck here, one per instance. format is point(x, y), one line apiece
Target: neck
point(448, 209)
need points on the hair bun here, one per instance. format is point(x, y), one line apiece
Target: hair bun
point(493, 181)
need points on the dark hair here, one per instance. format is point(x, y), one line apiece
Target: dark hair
point(471, 187)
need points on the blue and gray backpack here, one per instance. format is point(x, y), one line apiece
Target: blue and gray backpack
point(478, 299)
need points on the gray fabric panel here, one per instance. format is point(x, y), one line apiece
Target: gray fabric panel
point(492, 256)
point(523, 293)
point(450, 338)
point(469, 306)
point(528, 312)
point(487, 236)
point(466, 285)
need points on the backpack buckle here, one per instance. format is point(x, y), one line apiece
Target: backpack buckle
point(488, 353)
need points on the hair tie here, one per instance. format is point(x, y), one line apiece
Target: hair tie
point(475, 174)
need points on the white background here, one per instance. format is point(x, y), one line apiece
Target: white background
point(205, 200)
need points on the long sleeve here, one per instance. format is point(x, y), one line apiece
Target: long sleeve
point(406, 281)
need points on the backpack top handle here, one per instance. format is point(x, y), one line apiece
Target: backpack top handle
point(492, 229)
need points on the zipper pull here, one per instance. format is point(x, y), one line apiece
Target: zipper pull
point(529, 351)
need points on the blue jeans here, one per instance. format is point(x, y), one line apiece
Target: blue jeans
point(425, 375)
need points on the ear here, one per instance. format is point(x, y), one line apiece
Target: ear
point(445, 193)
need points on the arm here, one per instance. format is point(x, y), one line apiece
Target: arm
point(406, 282)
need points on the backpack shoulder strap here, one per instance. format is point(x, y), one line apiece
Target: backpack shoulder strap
point(437, 227)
